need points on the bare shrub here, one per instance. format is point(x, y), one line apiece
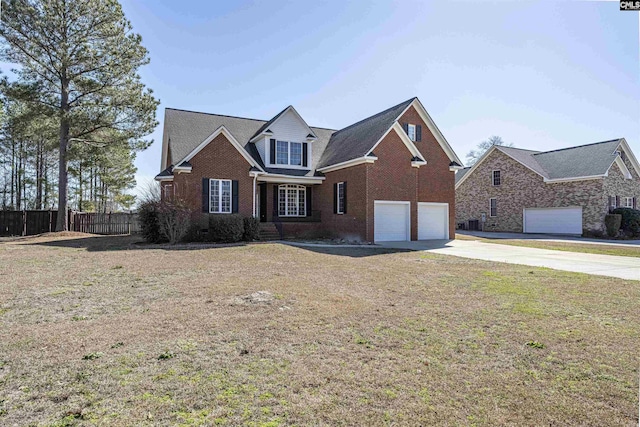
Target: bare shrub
point(174, 218)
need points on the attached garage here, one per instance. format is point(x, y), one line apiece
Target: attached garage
point(433, 221)
point(553, 220)
point(391, 221)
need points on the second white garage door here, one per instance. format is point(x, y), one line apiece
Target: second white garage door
point(391, 221)
point(433, 221)
point(553, 220)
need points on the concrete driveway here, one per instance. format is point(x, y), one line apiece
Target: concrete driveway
point(602, 265)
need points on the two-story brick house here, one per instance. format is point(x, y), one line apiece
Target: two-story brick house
point(387, 177)
point(562, 191)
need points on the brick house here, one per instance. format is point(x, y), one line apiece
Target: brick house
point(564, 191)
point(387, 177)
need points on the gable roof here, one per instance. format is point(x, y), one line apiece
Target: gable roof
point(461, 173)
point(573, 163)
point(584, 160)
point(358, 139)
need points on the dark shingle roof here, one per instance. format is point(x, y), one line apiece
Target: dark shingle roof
point(461, 172)
point(585, 160)
point(269, 123)
point(358, 139)
point(185, 130)
point(166, 173)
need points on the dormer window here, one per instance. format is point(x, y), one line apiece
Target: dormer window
point(289, 153)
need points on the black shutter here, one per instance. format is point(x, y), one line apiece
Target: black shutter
point(610, 203)
point(344, 196)
point(309, 204)
point(418, 132)
point(273, 151)
point(405, 126)
point(275, 200)
point(205, 195)
point(335, 198)
point(634, 203)
point(617, 201)
point(234, 196)
point(304, 154)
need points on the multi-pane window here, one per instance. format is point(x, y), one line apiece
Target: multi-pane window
point(289, 153)
point(296, 153)
point(292, 200)
point(282, 152)
point(495, 177)
point(628, 202)
point(168, 191)
point(340, 197)
point(411, 132)
point(220, 196)
point(493, 207)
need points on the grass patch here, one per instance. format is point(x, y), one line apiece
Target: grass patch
point(562, 246)
point(367, 338)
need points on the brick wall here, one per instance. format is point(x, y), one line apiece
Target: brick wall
point(220, 159)
point(353, 224)
point(522, 188)
point(436, 183)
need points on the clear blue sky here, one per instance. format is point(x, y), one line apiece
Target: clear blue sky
point(542, 75)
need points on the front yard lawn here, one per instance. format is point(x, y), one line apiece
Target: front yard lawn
point(96, 332)
point(561, 246)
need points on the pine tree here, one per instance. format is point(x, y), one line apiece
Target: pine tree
point(79, 59)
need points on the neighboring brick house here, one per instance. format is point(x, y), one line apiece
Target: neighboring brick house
point(388, 177)
point(564, 191)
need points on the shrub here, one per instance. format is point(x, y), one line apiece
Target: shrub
point(149, 222)
point(174, 218)
point(251, 229)
point(630, 220)
point(612, 224)
point(225, 228)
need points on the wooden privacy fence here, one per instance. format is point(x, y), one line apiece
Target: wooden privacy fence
point(105, 223)
point(30, 222)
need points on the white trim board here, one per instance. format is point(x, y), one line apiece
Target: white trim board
point(348, 163)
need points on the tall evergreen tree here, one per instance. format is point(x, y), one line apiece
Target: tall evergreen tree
point(80, 60)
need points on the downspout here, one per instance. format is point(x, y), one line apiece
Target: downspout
point(255, 178)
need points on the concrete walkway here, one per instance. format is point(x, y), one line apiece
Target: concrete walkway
point(549, 238)
point(602, 265)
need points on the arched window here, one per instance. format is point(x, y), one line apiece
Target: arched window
point(292, 200)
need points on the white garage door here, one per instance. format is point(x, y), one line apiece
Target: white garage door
point(433, 221)
point(391, 221)
point(553, 220)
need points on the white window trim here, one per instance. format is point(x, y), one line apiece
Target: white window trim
point(211, 180)
point(298, 188)
point(614, 202)
point(289, 165)
point(415, 136)
point(493, 179)
point(339, 189)
point(628, 202)
point(490, 215)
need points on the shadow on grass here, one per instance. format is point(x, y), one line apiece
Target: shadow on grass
point(126, 242)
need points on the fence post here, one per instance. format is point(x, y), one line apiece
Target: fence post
point(24, 222)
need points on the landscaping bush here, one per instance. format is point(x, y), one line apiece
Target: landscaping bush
point(630, 220)
point(149, 222)
point(174, 218)
point(612, 224)
point(225, 228)
point(251, 229)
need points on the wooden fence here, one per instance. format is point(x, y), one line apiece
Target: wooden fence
point(30, 222)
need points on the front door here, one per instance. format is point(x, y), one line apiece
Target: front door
point(263, 202)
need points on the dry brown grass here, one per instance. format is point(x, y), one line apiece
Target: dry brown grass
point(94, 332)
point(588, 248)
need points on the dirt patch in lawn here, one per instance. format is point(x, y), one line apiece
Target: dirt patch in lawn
point(92, 332)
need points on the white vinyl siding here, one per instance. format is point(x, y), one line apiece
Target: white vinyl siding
point(220, 196)
point(289, 128)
